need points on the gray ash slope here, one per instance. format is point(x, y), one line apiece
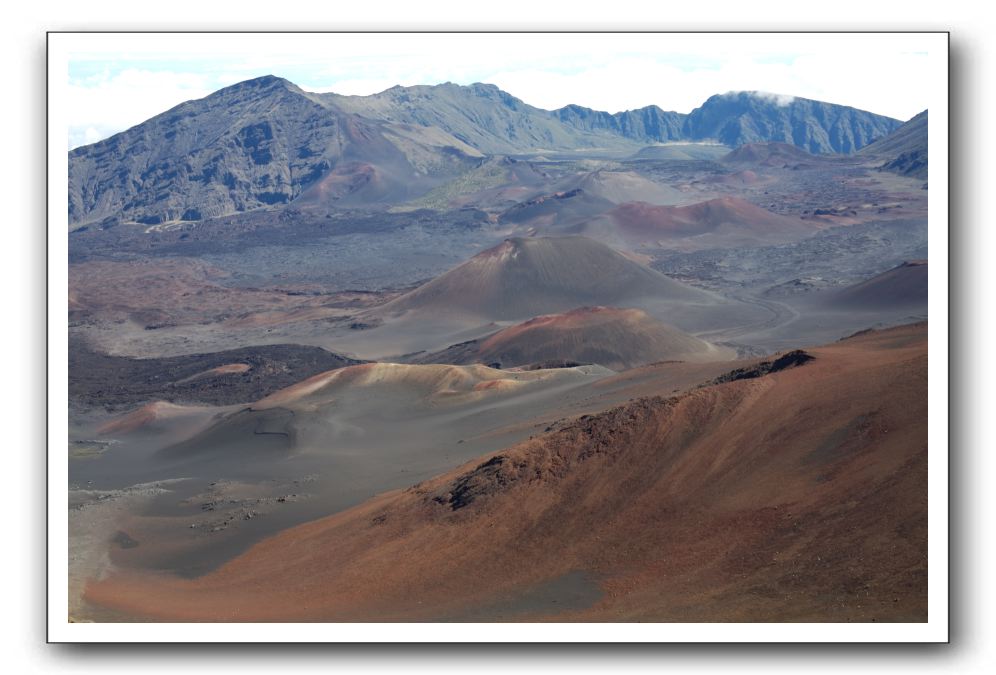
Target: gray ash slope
point(904, 151)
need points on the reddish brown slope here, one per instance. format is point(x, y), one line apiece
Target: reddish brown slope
point(154, 414)
point(717, 222)
point(903, 286)
point(797, 496)
point(615, 338)
point(524, 277)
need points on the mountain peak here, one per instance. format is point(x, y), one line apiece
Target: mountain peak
point(740, 117)
point(262, 84)
point(264, 81)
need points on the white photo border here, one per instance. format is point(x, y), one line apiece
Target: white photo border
point(61, 45)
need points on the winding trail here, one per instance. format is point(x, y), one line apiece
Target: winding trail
point(781, 315)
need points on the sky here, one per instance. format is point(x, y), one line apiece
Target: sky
point(115, 81)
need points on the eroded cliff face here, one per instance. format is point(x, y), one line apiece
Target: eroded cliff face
point(259, 143)
point(737, 118)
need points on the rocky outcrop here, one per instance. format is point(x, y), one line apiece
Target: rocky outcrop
point(788, 360)
point(647, 125)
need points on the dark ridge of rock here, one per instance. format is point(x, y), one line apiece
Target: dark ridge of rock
point(604, 433)
point(488, 478)
point(909, 164)
point(856, 334)
point(553, 364)
point(788, 360)
point(791, 359)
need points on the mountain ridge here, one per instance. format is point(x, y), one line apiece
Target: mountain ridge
point(737, 118)
point(258, 143)
point(266, 142)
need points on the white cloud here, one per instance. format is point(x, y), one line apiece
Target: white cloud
point(781, 100)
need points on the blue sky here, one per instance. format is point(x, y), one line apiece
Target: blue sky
point(117, 81)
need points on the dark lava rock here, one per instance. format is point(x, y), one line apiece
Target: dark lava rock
point(115, 382)
point(486, 479)
point(783, 362)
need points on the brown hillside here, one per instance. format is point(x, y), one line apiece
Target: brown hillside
point(615, 338)
point(721, 221)
point(902, 286)
point(796, 496)
point(524, 277)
